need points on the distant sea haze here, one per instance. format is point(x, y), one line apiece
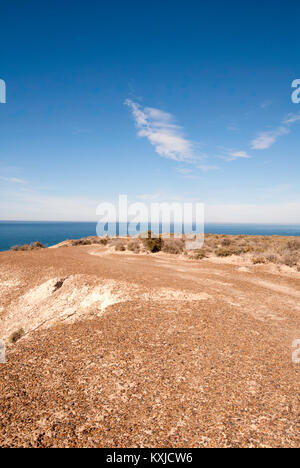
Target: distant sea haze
point(51, 233)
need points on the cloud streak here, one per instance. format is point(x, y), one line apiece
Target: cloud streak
point(266, 139)
point(13, 180)
point(159, 128)
point(233, 155)
point(291, 118)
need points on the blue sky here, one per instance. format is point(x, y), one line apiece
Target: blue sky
point(163, 101)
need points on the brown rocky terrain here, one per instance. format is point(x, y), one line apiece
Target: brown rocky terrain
point(119, 349)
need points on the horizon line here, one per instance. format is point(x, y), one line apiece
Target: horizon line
point(120, 222)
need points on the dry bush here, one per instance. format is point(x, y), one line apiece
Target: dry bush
point(154, 244)
point(273, 249)
point(293, 244)
point(98, 240)
point(103, 241)
point(257, 260)
point(272, 258)
point(227, 252)
point(173, 246)
point(222, 252)
point(199, 254)
point(226, 242)
point(120, 246)
point(19, 248)
point(210, 242)
point(290, 260)
point(134, 246)
point(247, 248)
point(36, 245)
point(16, 336)
point(33, 246)
point(90, 241)
point(259, 250)
point(82, 241)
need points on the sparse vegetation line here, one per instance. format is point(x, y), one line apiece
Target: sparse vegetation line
point(280, 250)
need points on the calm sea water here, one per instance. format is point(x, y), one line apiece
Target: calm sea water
point(51, 233)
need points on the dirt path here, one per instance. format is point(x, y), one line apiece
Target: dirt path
point(147, 350)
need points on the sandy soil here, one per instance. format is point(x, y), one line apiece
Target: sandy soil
point(126, 350)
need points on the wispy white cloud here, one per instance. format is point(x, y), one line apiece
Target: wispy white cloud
point(159, 128)
point(291, 118)
point(266, 139)
point(238, 154)
point(13, 180)
point(207, 167)
point(232, 155)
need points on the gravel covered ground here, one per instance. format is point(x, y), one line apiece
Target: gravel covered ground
point(126, 350)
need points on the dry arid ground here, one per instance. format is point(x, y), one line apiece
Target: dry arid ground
point(107, 347)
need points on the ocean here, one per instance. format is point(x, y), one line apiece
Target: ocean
point(51, 233)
